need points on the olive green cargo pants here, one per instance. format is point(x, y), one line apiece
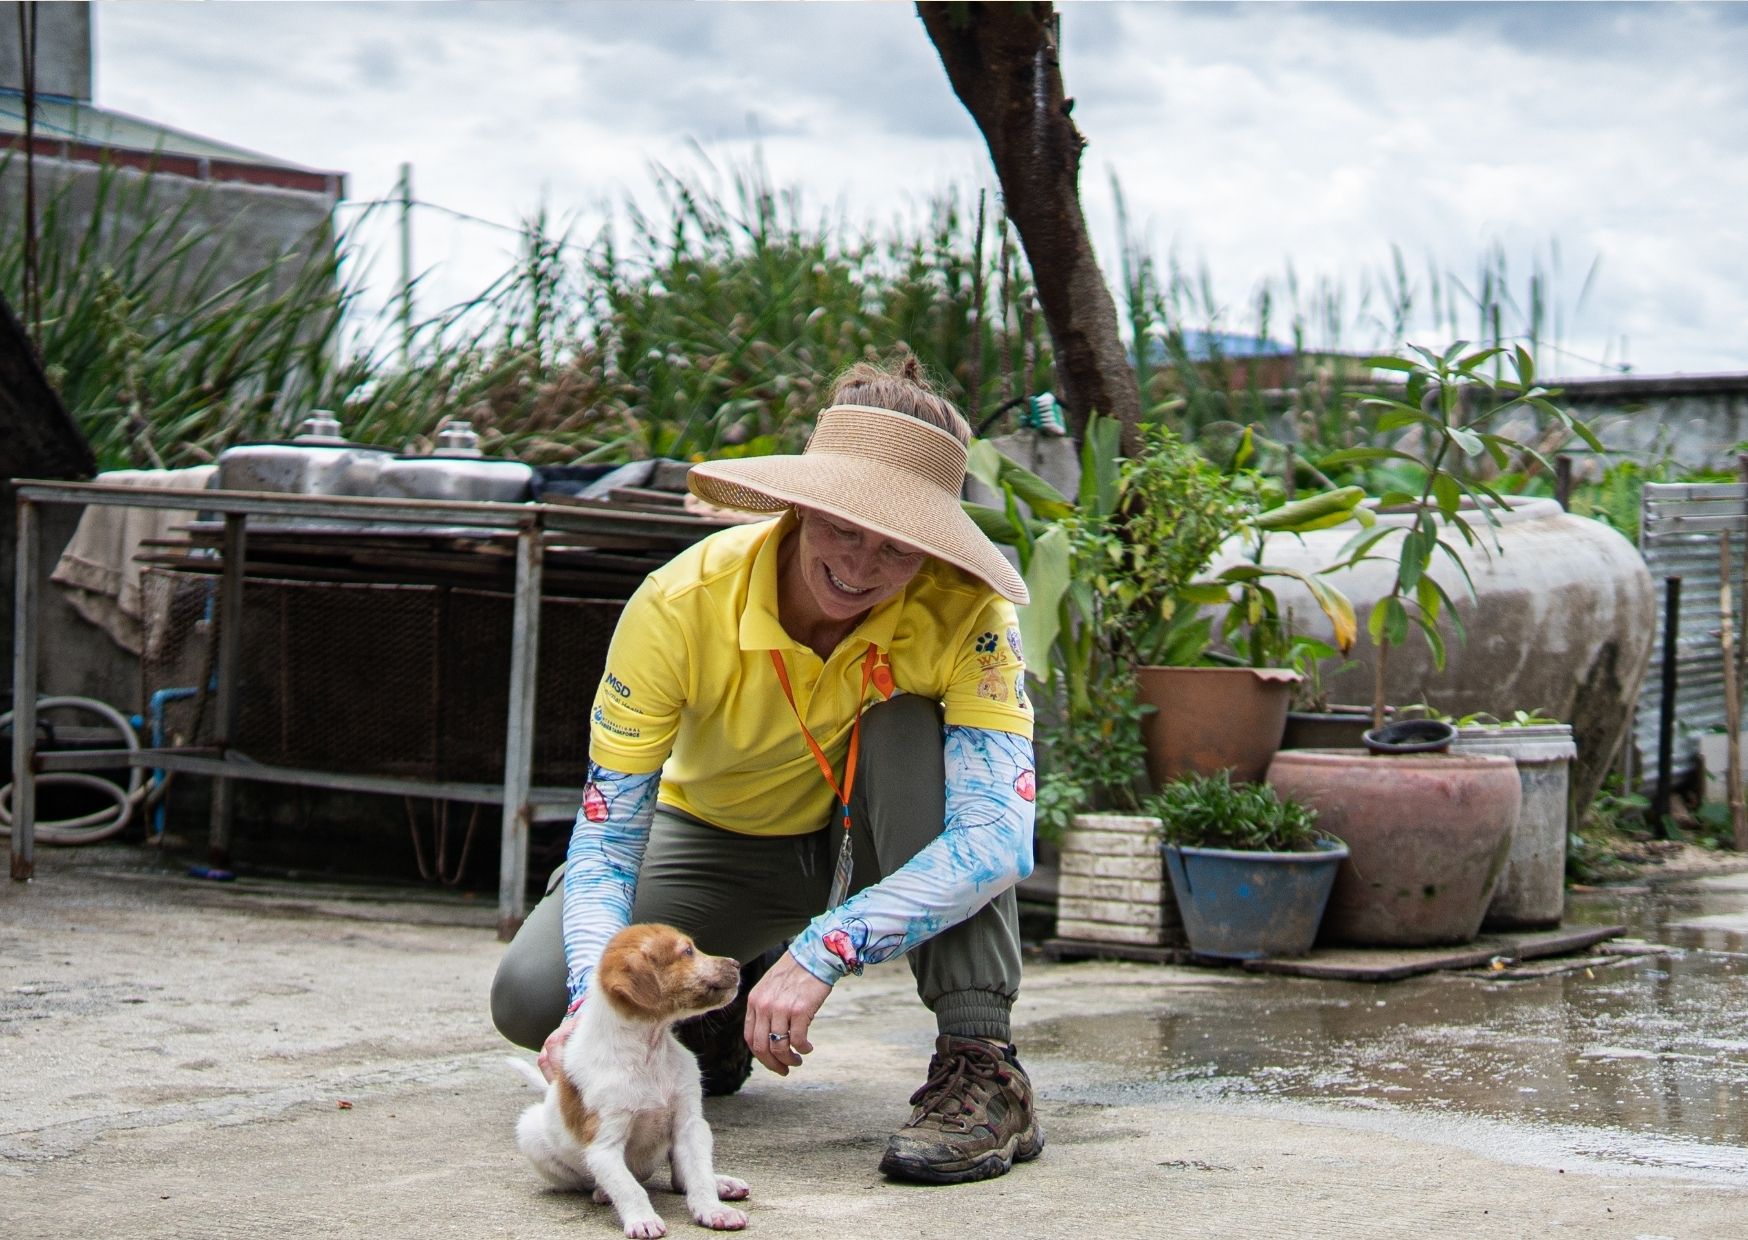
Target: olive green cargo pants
point(738, 895)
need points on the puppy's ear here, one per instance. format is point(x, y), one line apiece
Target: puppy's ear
point(634, 985)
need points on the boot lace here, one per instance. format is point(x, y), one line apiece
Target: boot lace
point(959, 1082)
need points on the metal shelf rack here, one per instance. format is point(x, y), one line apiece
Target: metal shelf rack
point(536, 527)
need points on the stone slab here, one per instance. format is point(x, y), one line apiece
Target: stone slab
point(1061, 948)
point(1388, 964)
point(1112, 933)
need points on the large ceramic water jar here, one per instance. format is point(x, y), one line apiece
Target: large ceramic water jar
point(1427, 835)
point(1561, 622)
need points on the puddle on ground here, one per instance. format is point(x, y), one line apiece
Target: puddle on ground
point(1643, 1061)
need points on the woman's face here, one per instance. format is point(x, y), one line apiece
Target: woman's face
point(845, 570)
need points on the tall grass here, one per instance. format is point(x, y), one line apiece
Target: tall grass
point(708, 325)
point(161, 356)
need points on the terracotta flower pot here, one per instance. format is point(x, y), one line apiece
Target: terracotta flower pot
point(1209, 719)
point(1427, 835)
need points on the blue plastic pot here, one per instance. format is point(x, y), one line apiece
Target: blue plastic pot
point(1246, 905)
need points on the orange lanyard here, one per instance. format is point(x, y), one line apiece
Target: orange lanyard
point(825, 766)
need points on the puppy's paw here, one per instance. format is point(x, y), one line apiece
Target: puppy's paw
point(721, 1218)
point(730, 1189)
point(645, 1228)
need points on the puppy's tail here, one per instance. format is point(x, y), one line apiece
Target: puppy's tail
point(529, 1072)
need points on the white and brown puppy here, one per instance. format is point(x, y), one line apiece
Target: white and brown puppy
point(628, 1094)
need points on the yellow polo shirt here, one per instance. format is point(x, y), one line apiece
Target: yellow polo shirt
point(690, 689)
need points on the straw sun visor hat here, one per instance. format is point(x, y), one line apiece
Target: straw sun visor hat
point(884, 471)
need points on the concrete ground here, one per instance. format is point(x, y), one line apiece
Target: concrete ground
point(185, 1059)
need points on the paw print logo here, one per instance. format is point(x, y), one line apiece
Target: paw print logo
point(986, 643)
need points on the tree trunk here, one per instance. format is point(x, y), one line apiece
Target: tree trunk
point(1002, 61)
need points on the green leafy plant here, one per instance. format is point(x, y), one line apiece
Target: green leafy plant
point(1611, 835)
point(1478, 719)
point(1040, 523)
point(1089, 708)
point(1143, 560)
point(1175, 512)
point(1118, 579)
point(1255, 625)
point(1213, 812)
point(1446, 420)
point(1092, 761)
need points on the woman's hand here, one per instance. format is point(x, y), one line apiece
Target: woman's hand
point(784, 1002)
point(549, 1053)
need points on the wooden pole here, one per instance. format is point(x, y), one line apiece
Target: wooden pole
point(1732, 700)
point(1666, 707)
point(1742, 585)
point(404, 312)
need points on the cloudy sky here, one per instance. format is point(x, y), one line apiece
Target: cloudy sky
point(1246, 138)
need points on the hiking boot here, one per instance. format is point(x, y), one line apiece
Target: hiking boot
point(973, 1117)
point(718, 1038)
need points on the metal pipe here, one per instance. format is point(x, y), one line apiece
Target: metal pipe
point(230, 639)
point(155, 720)
point(1666, 707)
point(551, 804)
point(24, 651)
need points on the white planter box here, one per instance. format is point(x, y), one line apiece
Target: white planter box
point(1112, 885)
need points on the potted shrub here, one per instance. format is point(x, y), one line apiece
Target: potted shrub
point(1428, 834)
point(1092, 774)
point(1250, 871)
point(1148, 561)
point(1118, 583)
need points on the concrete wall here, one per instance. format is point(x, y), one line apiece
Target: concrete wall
point(74, 656)
point(242, 228)
point(246, 226)
point(63, 49)
point(1693, 420)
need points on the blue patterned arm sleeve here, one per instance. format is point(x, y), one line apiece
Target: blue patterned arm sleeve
point(600, 879)
point(985, 848)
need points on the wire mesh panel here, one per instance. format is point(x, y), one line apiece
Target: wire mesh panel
point(1679, 533)
point(178, 629)
point(378, 679)
point(574, 634)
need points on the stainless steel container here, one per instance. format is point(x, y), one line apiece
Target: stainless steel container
point(318, 461)
point(457, 470)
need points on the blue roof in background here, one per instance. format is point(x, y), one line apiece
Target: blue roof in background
point(1206, 346)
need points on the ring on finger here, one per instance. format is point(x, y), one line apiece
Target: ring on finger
point(777, 1038)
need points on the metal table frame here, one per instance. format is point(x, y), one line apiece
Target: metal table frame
point(534, 525)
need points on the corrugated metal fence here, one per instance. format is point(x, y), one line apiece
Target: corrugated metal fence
point(1679, 534)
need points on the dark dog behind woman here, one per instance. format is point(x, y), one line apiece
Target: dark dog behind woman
point(815, 729)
